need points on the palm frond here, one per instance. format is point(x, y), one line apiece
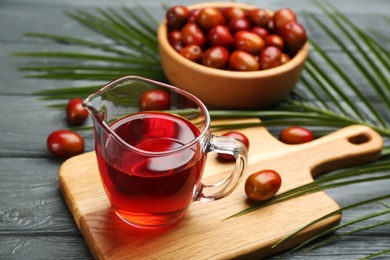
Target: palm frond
point(135, 51)
point(357, 220)
point(376, 254)
point(333, 213)
point(107, 28)
point(330, 88)
point(64, 93)
point(382, 223)
point(375, 70)
point(135, 36)
point(150, 27)
point(311, 89)
point(86, 68)
point(78, 41)
point(378, 49)
point(364, 70)
point(298, 113)
point(87, 57)
point(349, 83)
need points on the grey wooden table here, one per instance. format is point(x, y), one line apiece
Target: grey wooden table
point(35, 222)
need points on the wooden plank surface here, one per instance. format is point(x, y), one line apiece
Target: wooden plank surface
point(35, 222)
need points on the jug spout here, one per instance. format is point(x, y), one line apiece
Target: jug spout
point(95, 115)
point(121, 98)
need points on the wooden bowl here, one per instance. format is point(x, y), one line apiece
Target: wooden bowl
point(223, 89)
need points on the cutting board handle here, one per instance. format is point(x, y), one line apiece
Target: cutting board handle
point(352, 145)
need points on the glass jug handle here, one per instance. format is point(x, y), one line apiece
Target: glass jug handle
point(219, 190)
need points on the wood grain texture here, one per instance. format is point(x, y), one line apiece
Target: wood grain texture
point(35, 222)
point(204, 232)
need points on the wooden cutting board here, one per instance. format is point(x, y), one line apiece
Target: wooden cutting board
point(204, 232)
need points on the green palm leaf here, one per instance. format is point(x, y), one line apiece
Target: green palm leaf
point(377, 254)
point(362, 68)
point(77, 41)
point(346, 233)
point(111, 27)
point(376, 71)
point(316, 101)
point(135, 51)
point(336, 212)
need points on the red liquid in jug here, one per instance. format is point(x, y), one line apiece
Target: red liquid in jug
point(151, 190)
